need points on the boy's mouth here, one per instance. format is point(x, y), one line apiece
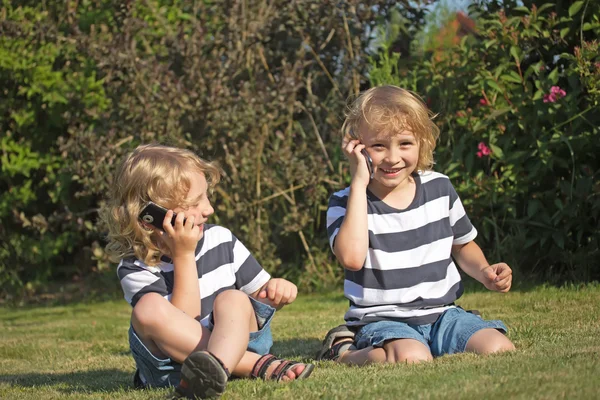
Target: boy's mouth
point(391, 170)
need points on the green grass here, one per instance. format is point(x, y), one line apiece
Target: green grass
point(80, 352)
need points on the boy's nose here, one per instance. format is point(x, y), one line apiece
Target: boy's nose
point(208, 211)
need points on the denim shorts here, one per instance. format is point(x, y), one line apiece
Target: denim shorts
point(448, 335)
point(157, 372)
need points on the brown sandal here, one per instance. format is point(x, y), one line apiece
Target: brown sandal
point(262, 365)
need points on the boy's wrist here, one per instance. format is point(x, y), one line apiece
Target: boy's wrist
point(183, 256)
point(358, 186)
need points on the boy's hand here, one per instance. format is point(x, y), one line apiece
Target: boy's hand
point(180, 239)
point(278, 292)
point(358, 162)
point(497, 277)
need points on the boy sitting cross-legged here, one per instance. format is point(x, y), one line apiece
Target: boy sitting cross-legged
point(202, 305)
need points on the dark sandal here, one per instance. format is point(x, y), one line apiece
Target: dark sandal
point(331, 351)
point(262, 365)
point(202, 376)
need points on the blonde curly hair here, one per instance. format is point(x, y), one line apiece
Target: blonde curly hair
point(389, 110)
point(151, 172)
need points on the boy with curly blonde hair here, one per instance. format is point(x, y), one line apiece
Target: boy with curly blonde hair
point(397, 230)
point(202, 305)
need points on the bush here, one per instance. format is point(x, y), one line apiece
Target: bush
point(258, 86)
point(518, 107)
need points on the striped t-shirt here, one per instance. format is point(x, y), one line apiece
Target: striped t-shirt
point(222, 261)
point(408, 274)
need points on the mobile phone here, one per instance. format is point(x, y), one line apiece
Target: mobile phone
point(365, 154)
point(154, 215)
point(369, 162)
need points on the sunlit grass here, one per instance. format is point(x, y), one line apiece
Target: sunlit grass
point(80, 352)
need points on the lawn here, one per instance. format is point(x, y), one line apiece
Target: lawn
point(80, 351)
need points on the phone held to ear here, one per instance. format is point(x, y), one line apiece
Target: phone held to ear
point(364, 153)
point(369, 162)
point(154, 215)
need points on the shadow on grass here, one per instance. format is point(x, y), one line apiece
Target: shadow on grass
point(108, 380)
point(296, 348)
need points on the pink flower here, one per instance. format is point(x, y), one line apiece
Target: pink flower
point(483, 102)
point(483, 150)
point(555, 93)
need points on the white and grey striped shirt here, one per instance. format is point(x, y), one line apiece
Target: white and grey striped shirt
point(408, 274)
point(222, 261)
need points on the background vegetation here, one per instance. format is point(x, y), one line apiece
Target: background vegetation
point(261, 87)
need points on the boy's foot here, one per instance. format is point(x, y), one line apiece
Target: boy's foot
point(269, 367)
point(337, 341)
point(202, 376)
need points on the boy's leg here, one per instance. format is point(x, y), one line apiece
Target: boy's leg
point(231, 307)
point(387, 342)
point(457, 331)
point(168, 332)
point(393, 351)
point(487, 341)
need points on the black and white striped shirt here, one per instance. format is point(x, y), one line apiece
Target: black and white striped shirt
point(222, 261)
point(408, 274)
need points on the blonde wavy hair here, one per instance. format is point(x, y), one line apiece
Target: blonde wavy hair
point(390, 110)
point(156, 173)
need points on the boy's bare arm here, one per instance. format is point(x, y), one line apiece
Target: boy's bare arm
point(182, 240)
point(352, 241)
point(470, 258)
point(277, 292)
point(186, 291)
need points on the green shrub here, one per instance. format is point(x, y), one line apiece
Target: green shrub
point(258, 86)
point(518, 107)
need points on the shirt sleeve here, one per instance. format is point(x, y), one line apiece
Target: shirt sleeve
point(336, 211)
point(249, 275)
point(136, 281)
point(462, 228)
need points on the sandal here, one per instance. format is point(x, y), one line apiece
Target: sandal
point(262, 365)
point(202, 376)
point(337, 341)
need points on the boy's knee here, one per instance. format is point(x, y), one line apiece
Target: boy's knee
point(149, 310)
point(410, 357)
point(499, 346)
point(489, 341)
point(231, 299)
point(403, 352)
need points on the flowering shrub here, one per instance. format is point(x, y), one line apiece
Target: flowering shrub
point(518, 108)
point(555, 94)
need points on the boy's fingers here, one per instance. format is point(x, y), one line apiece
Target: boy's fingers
point(293, 294)
point(189, 222)
point(263, 294)
point(179, 220)
point(505, 271)
point(167, 227)
point(489, 273)
point(272, 290)
point(278, 296)
point(503, 282)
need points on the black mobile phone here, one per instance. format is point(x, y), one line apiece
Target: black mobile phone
point(369, 162)
point(364, 153)
point(154, 215)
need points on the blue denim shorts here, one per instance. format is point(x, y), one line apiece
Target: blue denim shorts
point(157, 372)
point(448, 335)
